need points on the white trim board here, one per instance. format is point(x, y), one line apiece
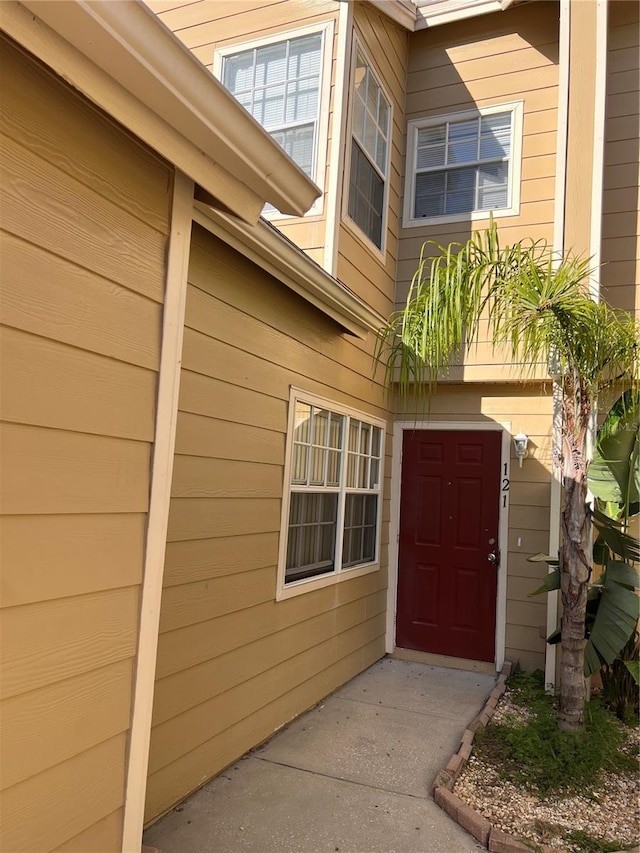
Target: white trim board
point(394, 523)
point(158, 517)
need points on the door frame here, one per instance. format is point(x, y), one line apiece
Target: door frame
point(503, 525)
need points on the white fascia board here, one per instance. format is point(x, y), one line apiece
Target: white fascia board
point(269, 249)
point(403, 12)
point(456, 10)
point(134, 48)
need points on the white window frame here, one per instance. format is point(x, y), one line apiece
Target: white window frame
point(339, 574)
point(515, 165)
point(357, 44)
point(325, 29)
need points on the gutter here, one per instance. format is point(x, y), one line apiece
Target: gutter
point(135, 49)
point(269, 249)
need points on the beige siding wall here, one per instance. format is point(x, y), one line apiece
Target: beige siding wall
point(621, 205)
point(527, 409)
point(494, 59)
point(233, 664)
point(208, 25)
point(360, 265)
point(84, 225)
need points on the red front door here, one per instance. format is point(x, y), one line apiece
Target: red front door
point(449, 512)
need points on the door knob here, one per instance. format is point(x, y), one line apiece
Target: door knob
point(494, 558)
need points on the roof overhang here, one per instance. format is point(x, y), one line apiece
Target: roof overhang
point(419, 14)
point(270, 250)
point(124, 59)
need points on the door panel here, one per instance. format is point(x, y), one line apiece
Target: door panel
point(449, 513)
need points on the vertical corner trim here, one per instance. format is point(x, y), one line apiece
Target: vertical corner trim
point(158, 516)
point(338, 139)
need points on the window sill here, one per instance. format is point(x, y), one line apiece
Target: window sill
point(300, 587)
point(476, 216)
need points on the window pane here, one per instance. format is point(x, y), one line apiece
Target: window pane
point(321, 427)
point(429, 194)
point(333, 469)
point(304, 56)
point(354, 434)
point(301, 101)
point(302, 417)
point(463, 142)
point(317, 467)
point(363, 472)
point(493, 189)
point(365, 435)
point(461, 191)
point(300, 459)
point(495, 136)
point(268, 106)
point(271, 64)
point(360, 531)
point(311, 535)
point(335, 436)
point(298, 143)
point(375, 444)
point(237, 72)
point(352, 471)
point(374, 477)
point(366, 193)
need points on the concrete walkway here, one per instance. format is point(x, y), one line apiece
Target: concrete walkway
point(351, 775)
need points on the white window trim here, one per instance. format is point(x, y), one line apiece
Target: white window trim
point(358, 44)
point(339, 574)
point(515, 162)
point(326, 30)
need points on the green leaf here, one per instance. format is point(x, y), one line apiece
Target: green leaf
point(549, 583)
point(634, 668)
point(614, 472)
point(543, 558)
point(616, 618)
point(622, 544)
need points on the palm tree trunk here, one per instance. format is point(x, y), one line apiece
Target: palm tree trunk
point(575, 570)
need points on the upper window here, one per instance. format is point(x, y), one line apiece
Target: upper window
point(463, 166)
point(284, 85)
point(370, 125)
point(331, 506)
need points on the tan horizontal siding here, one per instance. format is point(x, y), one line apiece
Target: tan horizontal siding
point(36, 813)
point(482, 62)
point(83, 237)
point(194, 767)
point(234, 664)
point(620, 276)
point(105, 834)
point(527, 409)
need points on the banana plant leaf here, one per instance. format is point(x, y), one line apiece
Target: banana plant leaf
point(615, 539)
point(616, 617)
point(614, 472)
point(634, 668)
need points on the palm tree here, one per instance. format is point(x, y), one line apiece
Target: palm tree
point(541, 310)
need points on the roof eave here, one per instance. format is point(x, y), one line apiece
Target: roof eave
point(269, 249)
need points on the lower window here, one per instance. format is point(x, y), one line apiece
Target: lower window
point(332, 501)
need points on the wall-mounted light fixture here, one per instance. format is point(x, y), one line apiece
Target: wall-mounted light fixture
point(520, 441)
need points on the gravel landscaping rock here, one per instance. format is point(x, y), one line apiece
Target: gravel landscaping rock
point(610, 812)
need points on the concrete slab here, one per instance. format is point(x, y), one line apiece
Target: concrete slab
point(447, 693)
point(352, 775)
point(258, 807)
point(387, 748)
